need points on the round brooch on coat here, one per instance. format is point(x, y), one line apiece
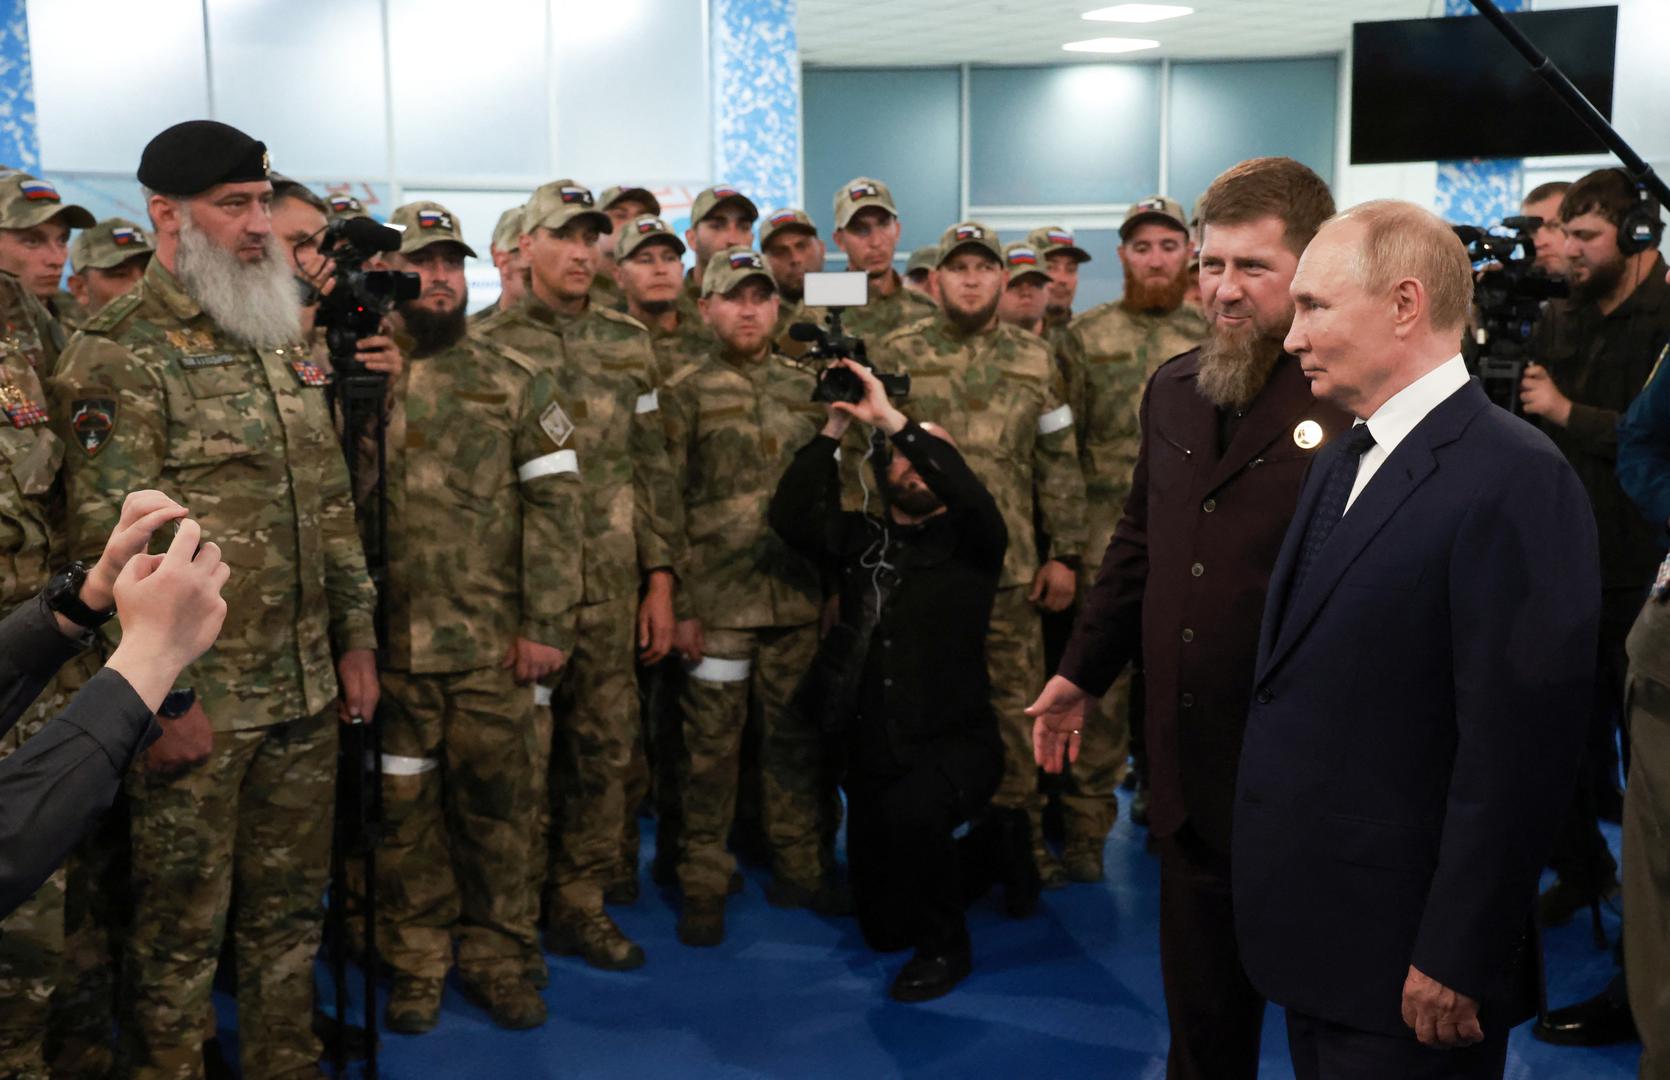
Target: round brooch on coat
point(1308, 435)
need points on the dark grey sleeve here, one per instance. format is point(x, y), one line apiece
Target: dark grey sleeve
point(32, 649)
point(57, 786)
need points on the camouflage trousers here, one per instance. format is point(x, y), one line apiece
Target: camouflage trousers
point(744, 671)
point(32, 936)
point(255, 817)
point(1015, 665)
point(457, 749)
point(657, 767)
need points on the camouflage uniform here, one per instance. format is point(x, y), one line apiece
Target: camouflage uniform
point(733, 425)
point(1001, 396)
point(152, 394)
point(68, 311)
point(32, 936)
point(604, 365)
point(1109, 354)
point(484, 528)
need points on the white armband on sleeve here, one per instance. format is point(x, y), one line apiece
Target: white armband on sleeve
point(648, 402)
point(560, 461)
point(1058, 419)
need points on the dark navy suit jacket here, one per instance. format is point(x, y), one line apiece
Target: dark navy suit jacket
point(1417, 707)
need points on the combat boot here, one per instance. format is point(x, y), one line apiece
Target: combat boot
point(538, 972)
point(509, 998)
point(622, 892)
point(595, 938)
point(702, 923)
point(1051, 874)
point(414, 1005)
point(829, 897)
point(1083, 860)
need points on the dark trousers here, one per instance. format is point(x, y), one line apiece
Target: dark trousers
point(1580, 855)
point(1327, 1051)
point(1216, 1014)
point(908, 881)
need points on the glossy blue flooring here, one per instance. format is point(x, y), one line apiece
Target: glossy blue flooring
point(1072, 992)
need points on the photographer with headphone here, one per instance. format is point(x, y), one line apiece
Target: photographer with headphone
point(1593, 353)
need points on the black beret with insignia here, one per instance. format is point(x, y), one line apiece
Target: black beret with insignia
point(192, 157)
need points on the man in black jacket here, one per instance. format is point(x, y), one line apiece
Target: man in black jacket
point(901, 683)
point(54, 788)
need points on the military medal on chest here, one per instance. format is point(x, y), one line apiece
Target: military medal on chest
point(309, 373)
point(21, 411)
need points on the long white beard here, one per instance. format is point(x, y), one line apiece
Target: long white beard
point(255, 303)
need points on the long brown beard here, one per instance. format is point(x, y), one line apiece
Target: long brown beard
point(1145, 294)
point(1235, 367)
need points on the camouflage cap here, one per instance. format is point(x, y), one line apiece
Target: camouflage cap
point(714, 197)
point(1022, 260)
point(109, 243)
point(1054, 240)
point(787, 219)
point(1154, 208)
point(969, 234)
point(425, 224)
point(507, 234)
point(860, 193)
point(26, 201)
point(646, 229)
point(343, 205)
point(923, 258)
point(559, 202)
point(613, 195)
point(731, 267)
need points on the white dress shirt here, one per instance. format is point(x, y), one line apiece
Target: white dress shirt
point(1394, 420)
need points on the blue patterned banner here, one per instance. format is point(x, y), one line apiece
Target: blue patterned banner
point(20, 144)
point(756, 99)
point(1479, 192)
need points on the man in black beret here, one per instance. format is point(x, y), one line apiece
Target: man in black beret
point(198, 383)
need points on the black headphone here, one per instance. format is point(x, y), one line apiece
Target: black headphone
point(1640, 228)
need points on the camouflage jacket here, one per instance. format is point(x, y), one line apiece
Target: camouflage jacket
point(1001, 396)
point(30, 452)
point(1109, 356)
point(484, 515)
point(152, 394)
point(70, 312)
point(883, 314)
point(733, 426)
point(690, 341)
point(604, 369)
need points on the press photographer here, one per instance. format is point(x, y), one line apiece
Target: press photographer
point(900, 685)
point(1590, 357)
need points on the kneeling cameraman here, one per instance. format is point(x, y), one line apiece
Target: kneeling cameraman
point(900, 683)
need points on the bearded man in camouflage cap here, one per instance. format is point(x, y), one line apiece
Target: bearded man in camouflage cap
point(196, 383)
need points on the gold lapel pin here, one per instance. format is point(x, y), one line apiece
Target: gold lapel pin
point(1308, 435)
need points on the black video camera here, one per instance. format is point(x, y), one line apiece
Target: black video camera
point(1510, 292)
point(355, 306)
point(837, 383)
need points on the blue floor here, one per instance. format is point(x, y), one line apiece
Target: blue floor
point(1073, 991)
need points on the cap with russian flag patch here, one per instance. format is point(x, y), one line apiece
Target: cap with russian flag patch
point(731, 267)
point(1154, 208)
point(108, 244)
point(27, 201)
point(788, 219)
point(646, 229)
point(644, 197)
point(343, 205)
point(969, 234)
point(424, 224)
point(556, 204)
point(861, 193)
point(1054, 240)
point(719, 195)
point(1022, 260)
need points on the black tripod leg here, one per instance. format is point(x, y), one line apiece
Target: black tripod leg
point(372, 834)
point(339, 923)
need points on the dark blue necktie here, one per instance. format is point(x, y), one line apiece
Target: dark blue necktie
point(1330, 505)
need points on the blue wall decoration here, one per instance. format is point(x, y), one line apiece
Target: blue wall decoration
point(1479, 192)
point(756, 99)
point(20, 145)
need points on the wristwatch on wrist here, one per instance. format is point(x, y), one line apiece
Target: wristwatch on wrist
point(177, 703)
point(63, 595)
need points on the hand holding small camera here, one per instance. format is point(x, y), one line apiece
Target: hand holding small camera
point(874, 408)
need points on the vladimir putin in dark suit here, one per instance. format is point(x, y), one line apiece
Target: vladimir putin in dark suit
point(1424, 671)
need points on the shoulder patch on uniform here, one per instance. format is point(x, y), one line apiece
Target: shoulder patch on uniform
point(93, 420)
point(621, 317)
point(556, 423)
point(114, 313)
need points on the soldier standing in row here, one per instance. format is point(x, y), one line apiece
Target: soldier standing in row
point(484, 576)
point(196, 384)
point(107, 262)
point(1109, 354)
point(622, 203)
point(506, 250)
point(919, 272)
point(605, 367)
point(1062, 258)
point(792, 249)
point(997, 390)
point(1022, 304)
point(867, 229)
point(747, 604)
point(721, 217)
point(35, 225)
